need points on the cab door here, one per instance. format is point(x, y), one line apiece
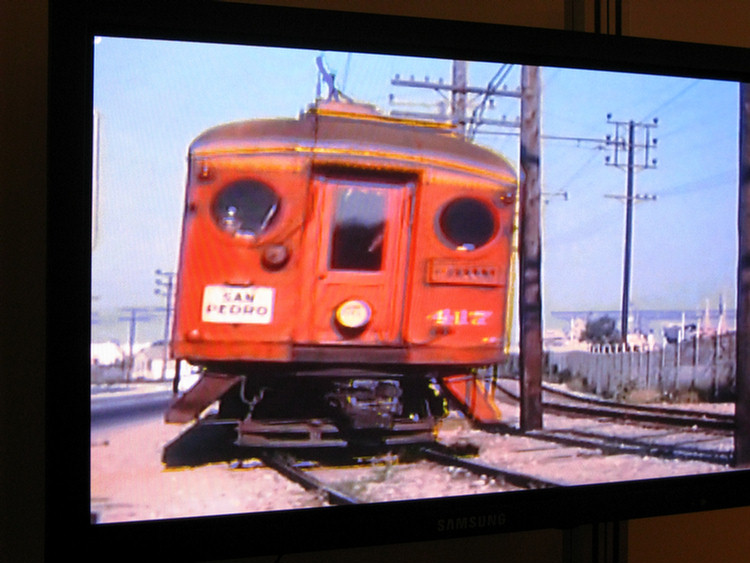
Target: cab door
point(360, 267)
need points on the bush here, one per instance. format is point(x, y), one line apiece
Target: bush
point(601, 330)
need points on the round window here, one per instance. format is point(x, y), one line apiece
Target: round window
point(245, 207)
point(467, 223)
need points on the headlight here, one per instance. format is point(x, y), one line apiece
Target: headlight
point(245, 207)
point(353, 314)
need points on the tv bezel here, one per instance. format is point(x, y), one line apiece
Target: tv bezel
point(73, 26)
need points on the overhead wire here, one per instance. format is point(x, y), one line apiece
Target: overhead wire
point(669, 101)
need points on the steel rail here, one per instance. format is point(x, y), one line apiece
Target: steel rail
point(613, 445)
point(442, 455)
point(642, 413)
point(308, 482)
point(719, 419)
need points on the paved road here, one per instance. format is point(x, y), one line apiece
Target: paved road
point(127, 406)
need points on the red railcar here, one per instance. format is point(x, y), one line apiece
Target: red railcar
point(338, 272)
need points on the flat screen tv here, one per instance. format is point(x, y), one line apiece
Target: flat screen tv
point(285, 245)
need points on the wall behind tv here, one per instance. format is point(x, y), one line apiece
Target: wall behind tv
point(692, 538)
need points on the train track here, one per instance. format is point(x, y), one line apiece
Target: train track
point(635, 446)
point(286, 465)
point(701, 441)
point(442, 455)
point(702, 437)
point(575, 403)
point(438, 454)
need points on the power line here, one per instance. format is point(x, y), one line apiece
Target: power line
point(706, 183)
point(669, 101)
point(458, 90)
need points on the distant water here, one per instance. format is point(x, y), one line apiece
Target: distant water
point(655, 318)
point(114, 325)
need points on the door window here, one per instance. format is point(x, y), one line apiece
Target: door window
point(358, 229)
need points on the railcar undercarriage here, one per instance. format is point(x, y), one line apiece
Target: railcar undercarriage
point(317, 408)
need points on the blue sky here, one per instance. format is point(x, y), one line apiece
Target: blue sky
point(154, 97)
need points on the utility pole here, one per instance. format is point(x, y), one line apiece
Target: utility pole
point(630, 146)
point(742, 407)
point(530, 295)
point(458, 95)
point(459, 91)
point(95, 182)
point(530, 287)
point(165, 285)
point(133, 319)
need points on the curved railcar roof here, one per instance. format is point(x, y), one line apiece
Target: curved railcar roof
point(352, 129)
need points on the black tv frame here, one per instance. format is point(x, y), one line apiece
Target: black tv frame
point(73, 26)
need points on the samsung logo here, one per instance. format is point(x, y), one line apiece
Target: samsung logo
point(471, 522)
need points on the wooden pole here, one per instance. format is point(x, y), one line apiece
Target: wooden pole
point(624, 311)
point(530, 294)
point(458, 97)
point(742, 409)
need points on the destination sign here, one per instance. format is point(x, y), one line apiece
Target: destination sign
point(238, 305)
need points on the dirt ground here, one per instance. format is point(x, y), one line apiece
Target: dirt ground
point(129, 481)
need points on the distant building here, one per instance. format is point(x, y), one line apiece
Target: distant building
point(559, 341)
point(148, 364)
point(106, 354)
point(107, 362)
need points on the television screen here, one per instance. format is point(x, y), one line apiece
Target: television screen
point(301, 257)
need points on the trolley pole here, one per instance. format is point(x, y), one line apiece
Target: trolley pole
point(742, 408)
point(530, 294)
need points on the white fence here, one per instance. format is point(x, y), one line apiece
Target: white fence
point(705, 366)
